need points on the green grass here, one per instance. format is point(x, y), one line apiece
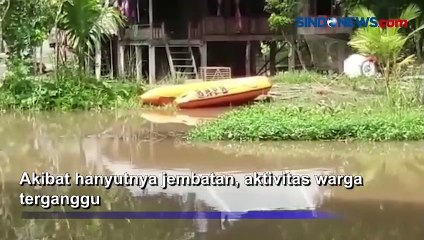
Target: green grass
point(300, 77)
point(343, 122)
point(69, 92)
point(332, 80)
point(312, 106)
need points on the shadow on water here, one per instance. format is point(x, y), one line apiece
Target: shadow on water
point(389, 206)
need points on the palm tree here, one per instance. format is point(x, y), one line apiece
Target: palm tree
point(85, 23)
point(385, 43)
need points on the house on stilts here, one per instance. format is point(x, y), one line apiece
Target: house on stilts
point(191, 37)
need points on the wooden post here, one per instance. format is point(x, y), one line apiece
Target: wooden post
point(112, 56)
point(247, 61)
point(253, 61)
point(34, 60)
point(292, 55)
point(152, 65)
point(87, 64)
point(41, 59)
point(98, 59)
point(139, 62)
point(272, 53)
point(2, 48)
point(56, 50)
point(121, 61)
point(218, 9)
point(341, 56)
point(151, 16)
point(138, 11)
point(204, 54)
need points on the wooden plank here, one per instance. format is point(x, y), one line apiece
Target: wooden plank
point(247, 58)
point(98, 60)
point(241, 38)
point(152, 65)
point(292, 55)
point(139, 62)
point(112, 68)
point(151, 17)
point(341, 55)
point(193, 61)
point(121, 61)
point(272, 54)
point(204, 55)
point(170, 61)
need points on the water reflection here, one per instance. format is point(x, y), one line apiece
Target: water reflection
point(389, 206)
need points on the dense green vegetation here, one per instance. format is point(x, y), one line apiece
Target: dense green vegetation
point(79, 28)
point(278, 122)
point(66, 93)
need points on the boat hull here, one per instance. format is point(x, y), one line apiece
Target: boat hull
point(167, 94)
point(224, 95)
point(227, 100)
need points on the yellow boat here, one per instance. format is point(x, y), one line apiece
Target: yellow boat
point(221, 95)
point(167, 94)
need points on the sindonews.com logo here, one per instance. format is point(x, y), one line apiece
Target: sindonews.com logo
point(349, 22)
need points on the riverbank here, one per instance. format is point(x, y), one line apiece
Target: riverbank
point(66, 92)
point(309, 106)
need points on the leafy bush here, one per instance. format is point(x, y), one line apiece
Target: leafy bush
point(68, 92)
point(271, 122)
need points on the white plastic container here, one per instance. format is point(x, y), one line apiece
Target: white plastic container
point(357, 65)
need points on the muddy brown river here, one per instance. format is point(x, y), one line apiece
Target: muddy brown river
point(390, 205)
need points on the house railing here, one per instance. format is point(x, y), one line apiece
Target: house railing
point(209, 26)
point(145, 32)
point(234, 26)
point(194, 31)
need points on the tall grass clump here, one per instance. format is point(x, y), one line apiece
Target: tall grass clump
point(275, 122)
point(179, 78)
point(67, 92)
point(300, 77)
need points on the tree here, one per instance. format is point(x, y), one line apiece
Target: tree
point(283, 13)
point(85, 23)
point(25, 24)
point(385, 43)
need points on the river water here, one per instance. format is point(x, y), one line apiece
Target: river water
point(390, 205)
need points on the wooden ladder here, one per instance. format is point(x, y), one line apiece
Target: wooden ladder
point(181, 61)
